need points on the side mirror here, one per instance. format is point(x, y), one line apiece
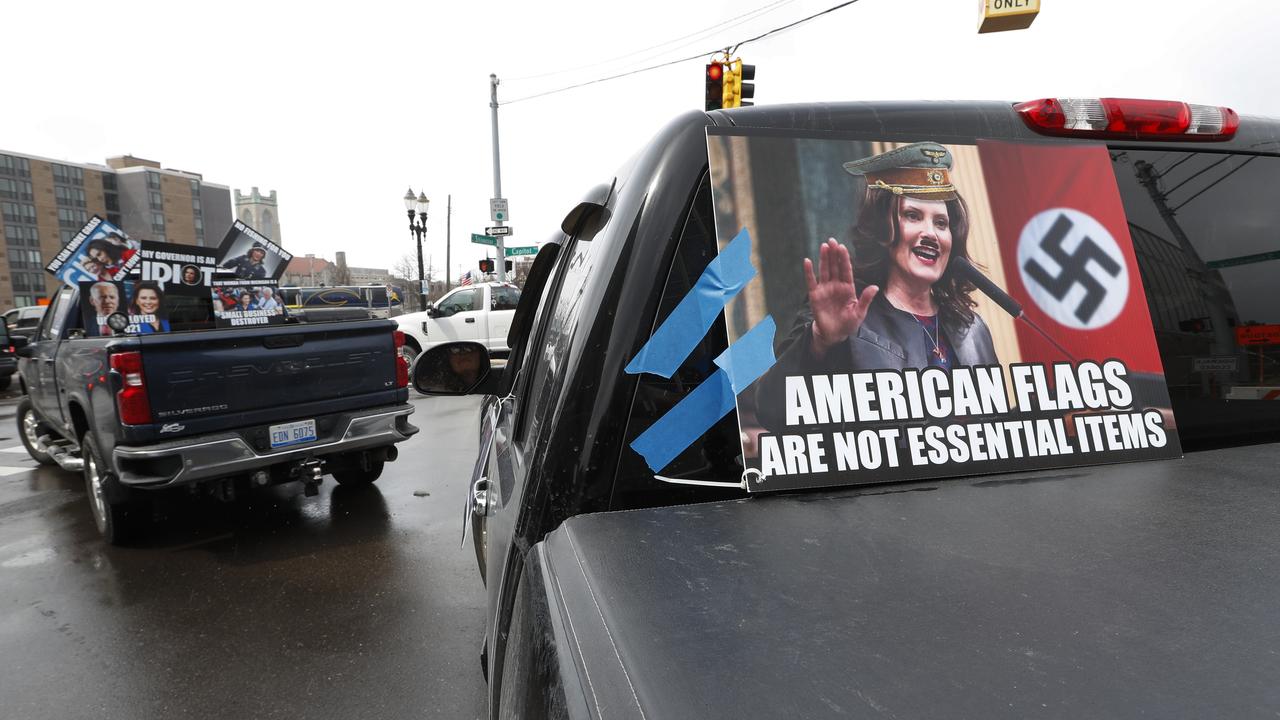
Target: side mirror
point(457, 368)
point(17, 342)
point(432, 311)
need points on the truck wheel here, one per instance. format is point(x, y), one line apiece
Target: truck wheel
point(354, 475)
point(409, 351)
point(30, 429)
point(119, 518)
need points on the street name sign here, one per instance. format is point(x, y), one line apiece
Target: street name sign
point(527, 250)
point(483, 239)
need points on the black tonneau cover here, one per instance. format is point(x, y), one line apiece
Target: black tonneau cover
point(1148, 589)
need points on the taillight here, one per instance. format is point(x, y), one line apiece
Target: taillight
point(402, 365)
point(1126, 118)
point(131, 400)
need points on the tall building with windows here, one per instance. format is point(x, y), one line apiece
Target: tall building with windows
point(44, 202)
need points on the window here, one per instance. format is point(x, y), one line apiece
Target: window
point(153, 181)
point(157, 222)
point(15, 189)
point(71, 219)
point(28, 281)
point(18, 213)
point(18, 166)
point(1206, 271)
point(22, 235)
point(156, 200)
point(108, 182)
point(69, 196)
point(714, 457)
point(505, 297)
point(460, 301)
point(68, 175)
point(25, 259)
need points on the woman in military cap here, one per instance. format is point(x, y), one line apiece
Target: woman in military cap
point(896, 302)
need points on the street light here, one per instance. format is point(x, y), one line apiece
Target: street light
point(419, 231)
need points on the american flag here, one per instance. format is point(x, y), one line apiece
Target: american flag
point(466, 279)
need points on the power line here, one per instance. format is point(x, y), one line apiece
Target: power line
point(684, 59)
point(724, 24)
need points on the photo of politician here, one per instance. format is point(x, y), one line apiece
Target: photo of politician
point(147, 310)
point(896, 300)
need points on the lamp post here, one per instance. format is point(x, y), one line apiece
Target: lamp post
point(419, 232)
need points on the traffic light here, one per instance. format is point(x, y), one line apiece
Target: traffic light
point(486, 266)
point(737, 86)
point(715, 85)
point(746, 88)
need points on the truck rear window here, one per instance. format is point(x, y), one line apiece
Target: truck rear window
point(1203, 227)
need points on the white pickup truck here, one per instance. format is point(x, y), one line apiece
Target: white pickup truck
point(481, 313)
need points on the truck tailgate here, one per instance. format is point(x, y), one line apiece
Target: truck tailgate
point(224, 378)
point(1145, 589)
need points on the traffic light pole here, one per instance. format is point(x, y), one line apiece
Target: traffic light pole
point(500, 267)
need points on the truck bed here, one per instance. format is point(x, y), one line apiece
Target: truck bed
point(1147, 589)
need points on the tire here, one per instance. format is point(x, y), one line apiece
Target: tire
point(409, 352)
point(30, 429)
point(355, 476)
point(119, 516)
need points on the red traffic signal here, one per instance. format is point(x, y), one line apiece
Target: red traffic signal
point(715, 86)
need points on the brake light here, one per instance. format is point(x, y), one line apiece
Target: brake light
point(402, 365)
point(1126, 118)
point(131, 400)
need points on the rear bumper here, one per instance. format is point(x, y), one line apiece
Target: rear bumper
point(184, 461)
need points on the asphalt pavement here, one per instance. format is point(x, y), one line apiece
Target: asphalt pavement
point(350, 604)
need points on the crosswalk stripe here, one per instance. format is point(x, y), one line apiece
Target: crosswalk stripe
point(17, 449)
point(6, 471)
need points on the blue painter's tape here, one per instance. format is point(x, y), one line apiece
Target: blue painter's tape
point(686, 422)
point(746, 360)
point(723, 278)
point(740, 365)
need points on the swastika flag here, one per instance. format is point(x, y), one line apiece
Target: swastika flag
point(1067, 254)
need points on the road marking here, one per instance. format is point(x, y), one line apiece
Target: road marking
point(18, 449)
point(7, 471)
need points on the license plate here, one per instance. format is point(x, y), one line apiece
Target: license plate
point(294, 433)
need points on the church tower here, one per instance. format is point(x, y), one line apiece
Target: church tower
point(260, 212)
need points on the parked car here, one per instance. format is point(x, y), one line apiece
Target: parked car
point(480, 313)
point(1114, 590)
point(8, 356)
point(23, 321)
point(224, 409)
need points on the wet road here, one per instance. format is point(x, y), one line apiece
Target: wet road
point(345, 605)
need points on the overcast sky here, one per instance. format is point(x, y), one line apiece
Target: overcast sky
point(340, 106)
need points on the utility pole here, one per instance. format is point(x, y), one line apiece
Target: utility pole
point(501, 266)
point(448, 241)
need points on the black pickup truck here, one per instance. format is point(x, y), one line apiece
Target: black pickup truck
point(1120, 590)
point(219, 409)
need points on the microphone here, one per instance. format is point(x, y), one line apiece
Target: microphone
point(966, 271)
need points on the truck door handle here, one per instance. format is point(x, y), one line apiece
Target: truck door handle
point(470, 320)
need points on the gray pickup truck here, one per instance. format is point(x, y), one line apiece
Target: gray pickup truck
point(219, 408)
